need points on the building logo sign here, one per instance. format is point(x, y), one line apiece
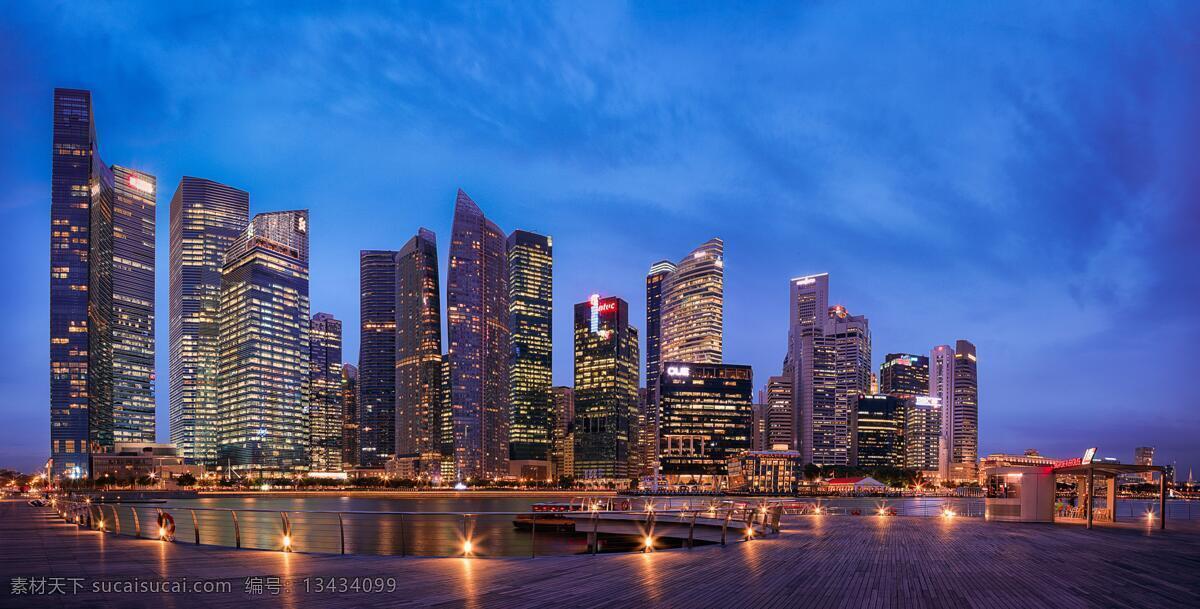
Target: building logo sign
point(302, 224)
point(679, 371)
point(141, 184)
point(598, 307)
point(1089, 455)
point(926, 400)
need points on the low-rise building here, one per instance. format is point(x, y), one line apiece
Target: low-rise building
point(776, 471)
point(854, 484)
point(132, 460)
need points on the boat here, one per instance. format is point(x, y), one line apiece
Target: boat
point(546, 516)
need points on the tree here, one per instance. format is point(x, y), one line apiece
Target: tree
point(812, 471)
point(185, 479)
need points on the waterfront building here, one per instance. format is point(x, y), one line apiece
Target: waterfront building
point(964, 447)
point(530, 306)
point(349, 393)
point(563, 453)
point(647, 440)
point(705, 419)
point(692, 307)
point(879, 432)
point(129, 461)
point(779, 410)
point(941, 386)
point(777, 471)
point(758, 423)
point(478, 330)
point(830, 351)
point(1144, 455)
point(655, 280)
point(922, 433)
point(1030, 458)
point(419, 402)
point(904, 375)
point(206, 218)
point(263, 347)
point(325, 422)
point(606, 385)
point(376, 357)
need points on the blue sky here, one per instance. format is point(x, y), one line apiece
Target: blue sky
point(1022, 175)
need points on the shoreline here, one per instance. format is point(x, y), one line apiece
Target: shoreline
point(394, 494)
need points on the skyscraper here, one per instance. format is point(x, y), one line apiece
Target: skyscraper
point(879, 432)
point(705, 420)
point(477, 327)
point(350, 452)
point(606, 387)
point(659, 271)
point(325, 418)
point(693, 302)
point(964, 448)
point(206, 218)
point(830, 353)
point(530, 305)
point(419, 402)
point(1144, 455)
point(922, 433)
point(779, 412)
point(941, 386)
point(563, 454)
point(903, 375)
point(263, 348)
point(376, 357)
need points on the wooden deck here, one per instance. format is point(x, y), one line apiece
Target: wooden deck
point(842, 561)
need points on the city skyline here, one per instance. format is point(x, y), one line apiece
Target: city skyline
point(754, 281)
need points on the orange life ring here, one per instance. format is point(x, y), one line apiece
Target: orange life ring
point(166, 526)
point(625, 505)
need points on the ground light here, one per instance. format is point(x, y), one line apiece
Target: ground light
point(468, 547)
point(287, 543)
point(100, 525)
point(162, 533)
point(749, 532)
point(948, 513)
point(648, 544)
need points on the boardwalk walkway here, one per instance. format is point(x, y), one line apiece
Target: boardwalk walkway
point(841, 561)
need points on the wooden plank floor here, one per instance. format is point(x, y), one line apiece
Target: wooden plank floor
point(841, 561)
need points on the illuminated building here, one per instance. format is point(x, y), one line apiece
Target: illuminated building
point(922, 433)
point(419, 352)
point(563, 452)
point(830, 352)
point(477, 328)
point(376, 357)
point(206, 218)
point(903, 375)
point(102, 234)
point(1144, 455)
point(777, 471)
point(325, 417)
point(349, 393)
point(758, 425)
point(779, 411)
point(530, 305)
point(263, 347)
point(705, 420)
point(879, 432)
point(655, 279)
point(606, 389)
point(964, 448)
point(941, 386)
point(693, 302)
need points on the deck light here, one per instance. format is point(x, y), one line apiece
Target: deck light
point(162, 533)
point(468, 546)
point(948, 513)
point(287, 543)
point(649, 542)
point(100, 525)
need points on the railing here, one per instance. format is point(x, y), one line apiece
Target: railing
point(461, 534)
point(925, 507)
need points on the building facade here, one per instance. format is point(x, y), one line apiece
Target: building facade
point(777, 471)
point(706, 419)
point(264, 377)
point(563, 454)
point(530, 305)
point(350, 451)
point(419, 402)
point(779, 411)
point(941, 386)
point(477, 326)
point(922, 433)
point(325, 417)
point(606, 389)
point(206, 218)
point(879, 432)
point(376, 357)
point(903, 375)
point(964, 447)
point(693, 304)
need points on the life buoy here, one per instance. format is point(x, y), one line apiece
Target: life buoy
point(166, 526)
point(625, 506)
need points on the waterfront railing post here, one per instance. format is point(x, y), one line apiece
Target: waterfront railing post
point(692, 531)
point(533, 537)
point(403, 541)
point(592, 539)
point(137, 523)
point(725, 524)
point(195, 526)
point(116, 521)
point(342, 532)
point(237, 530)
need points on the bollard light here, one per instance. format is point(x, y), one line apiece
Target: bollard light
point(100, 525)
point(468, 547)
point(162, 533)
point(648, 542)
point(948, 513)
point(287, 543)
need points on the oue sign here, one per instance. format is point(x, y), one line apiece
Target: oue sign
point(678, 371)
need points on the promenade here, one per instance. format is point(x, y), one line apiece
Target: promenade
point(842, 561)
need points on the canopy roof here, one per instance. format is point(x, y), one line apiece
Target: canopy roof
point(1107, 469)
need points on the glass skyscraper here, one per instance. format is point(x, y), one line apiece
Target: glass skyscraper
point(264, 382)
point(964, 448)
point(419, 403)
point(206, 218)
point(693, 303)
point(706, 419)
point(879, 432)
point(349, 393)
point(606, 391)
point(530, 305)
point(904, 375)
point(377, 357)
point(325, 406)
point(477, 327)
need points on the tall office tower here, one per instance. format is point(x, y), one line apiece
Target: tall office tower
point(758, 424)
point(647, 426)
point(77, 425)
point(206, 218)
point(376, 357)
point(477, 327)
point(779, 411)
point(922, 433)
point(964, 447)
point(263, 347)
point(530, 306)
point(655, 279)
point(903, 375)
point(879, 432)
point(123, 283)
point(1144, 455)
point(830, 352)
point(941, 386)
point(606, 384)
point(325, 416)
point(563, 452)
point(350, 452)
point(706, 419)
point(693, 303)
point(419, 352)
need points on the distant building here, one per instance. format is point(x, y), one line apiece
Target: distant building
point(758, 425)
point(706, 419)
point(879, 432)
point(964, 448)
point(419, 398)
point(904, 376)
point(606, 386)
point(655, 279)
point(376, 357)
point(922, 435)
point(941, 386)
point(264, 347)
point(780, 417)
point(1144, 455)
point(778, 471)
point(349, 392)
point(129, 461)
point(854, 484)
point(563, 454)
point(531, 323)
point(693, 301)
point(325, 408)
